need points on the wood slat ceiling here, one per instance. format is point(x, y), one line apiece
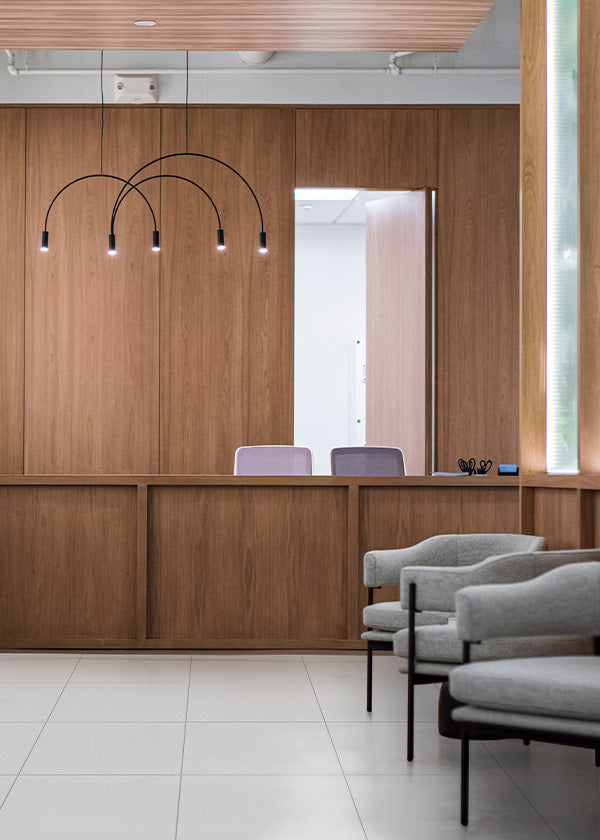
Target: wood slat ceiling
point(328, 25)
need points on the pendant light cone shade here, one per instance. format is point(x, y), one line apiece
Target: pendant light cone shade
point(262, 246)
point(220, 240)
point(155, 240)
point(112, 244)
point(44, 247)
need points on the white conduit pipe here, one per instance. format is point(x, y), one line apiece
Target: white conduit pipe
point(212, 71)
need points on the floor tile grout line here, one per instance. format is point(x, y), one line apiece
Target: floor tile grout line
point(187, 705)
point(39, 735)
point(336, 752)
point(522, 792)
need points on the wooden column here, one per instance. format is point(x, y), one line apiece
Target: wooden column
point(533, 237)
point(588, 127)
point(12, 239)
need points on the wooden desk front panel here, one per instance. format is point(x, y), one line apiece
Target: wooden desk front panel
point(247, 563)
point(67, 570)
point(214, 561)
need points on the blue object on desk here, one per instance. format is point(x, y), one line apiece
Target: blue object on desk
point(508, 469)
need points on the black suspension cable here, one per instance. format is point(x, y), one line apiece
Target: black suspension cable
point(187, 84)
point(102, 109)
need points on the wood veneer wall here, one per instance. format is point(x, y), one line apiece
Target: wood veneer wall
point(166, 363)
point(12, 331)
point(477, 287)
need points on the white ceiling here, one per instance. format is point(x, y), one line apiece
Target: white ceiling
point(351, 212)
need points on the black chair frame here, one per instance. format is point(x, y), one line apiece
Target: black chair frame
point(514, 732)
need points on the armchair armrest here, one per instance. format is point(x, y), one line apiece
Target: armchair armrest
point(564, 601)
point(382, 568)
point(437, 587)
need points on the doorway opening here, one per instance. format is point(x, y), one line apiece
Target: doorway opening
point(338, 235)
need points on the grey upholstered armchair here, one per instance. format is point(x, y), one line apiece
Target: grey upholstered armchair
point(554, 699)
point(430, 653)
point(382, 568)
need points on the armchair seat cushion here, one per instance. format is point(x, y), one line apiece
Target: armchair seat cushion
point(390, 616)
point(564, 687)
point(441, 644)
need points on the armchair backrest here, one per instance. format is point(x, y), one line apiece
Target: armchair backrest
point(563, 601)
point(467, 549)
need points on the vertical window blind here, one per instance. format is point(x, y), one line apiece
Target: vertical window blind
point(561, 405)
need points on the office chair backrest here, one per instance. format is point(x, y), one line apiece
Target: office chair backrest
point(367, 460)
point(272, 460)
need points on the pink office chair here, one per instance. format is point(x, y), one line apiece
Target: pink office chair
point(272, 460)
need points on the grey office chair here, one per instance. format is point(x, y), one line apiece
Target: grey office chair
point(272, 460)
point(367, 460)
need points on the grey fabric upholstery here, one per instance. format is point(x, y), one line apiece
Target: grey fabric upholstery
point(441, 644)
point(382, 568)
point(553, 698)
point(436, 587)
point(390, 616)
point(563, 601)
point(559, 686)
point(518, 720)
point(387, 567)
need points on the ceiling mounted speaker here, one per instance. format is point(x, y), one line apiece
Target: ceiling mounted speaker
point(136, 90)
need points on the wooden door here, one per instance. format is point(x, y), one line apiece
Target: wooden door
point(399, 327)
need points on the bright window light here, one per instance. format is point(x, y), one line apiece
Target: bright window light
point(324, 195)
point(561, 403)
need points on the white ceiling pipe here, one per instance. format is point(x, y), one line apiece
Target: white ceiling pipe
point(254, 58)
point(176, 71)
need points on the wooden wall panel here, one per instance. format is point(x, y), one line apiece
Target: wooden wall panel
point(68, 564)
point(12, 233)
point(533, 238)
point(556, 516)
point(396, 517)
point(588, 120)
point(91, 395)
point(477, 317)
point(398, 297)
point(247, 563)
point(226, 318)
point(378, 148)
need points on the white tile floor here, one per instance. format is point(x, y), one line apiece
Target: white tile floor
point(103, 747)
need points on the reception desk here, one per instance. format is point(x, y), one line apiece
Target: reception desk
point(215, 562)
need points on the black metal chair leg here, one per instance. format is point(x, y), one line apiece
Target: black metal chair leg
point(410, 719)
point(369, 676)
point(464, 777)
point(410, 706)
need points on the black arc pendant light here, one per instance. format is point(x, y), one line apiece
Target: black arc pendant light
point(128, 185)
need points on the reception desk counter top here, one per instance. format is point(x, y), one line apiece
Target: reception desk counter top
point(215, 562)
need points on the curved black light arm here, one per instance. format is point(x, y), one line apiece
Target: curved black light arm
point(99, 175)
point(123, 195)
point(207, 157)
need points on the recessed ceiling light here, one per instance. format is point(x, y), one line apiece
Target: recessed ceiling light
point(307, 206)
point(324, 195)
point(145, 22)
